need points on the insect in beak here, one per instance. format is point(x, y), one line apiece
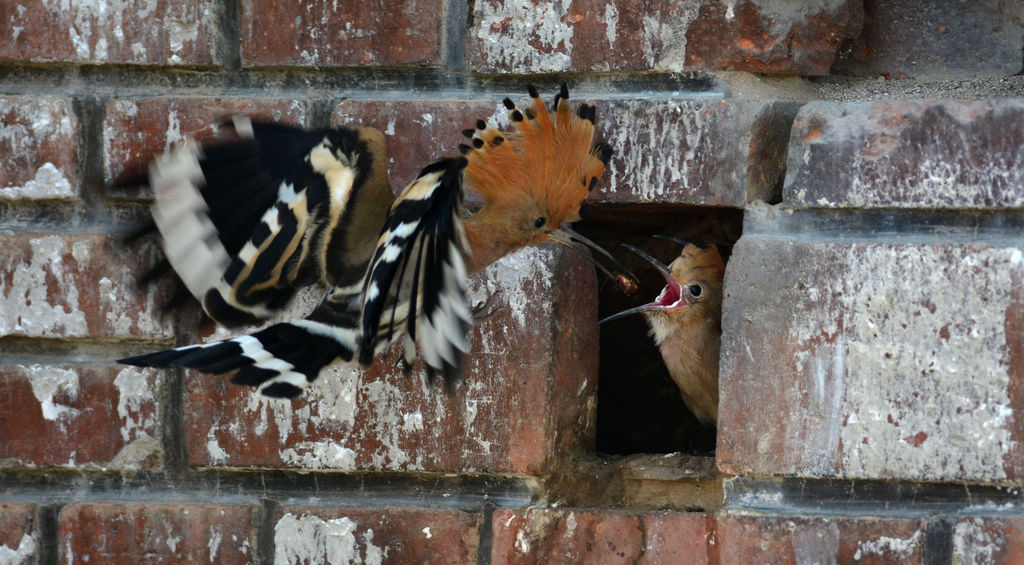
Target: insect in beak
point(624, 279)
point(671, 296)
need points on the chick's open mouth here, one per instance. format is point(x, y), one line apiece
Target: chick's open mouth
point(670, 296)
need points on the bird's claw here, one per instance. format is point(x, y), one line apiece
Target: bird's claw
point(487, 309)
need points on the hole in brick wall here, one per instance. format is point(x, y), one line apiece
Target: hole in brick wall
point(639, 407)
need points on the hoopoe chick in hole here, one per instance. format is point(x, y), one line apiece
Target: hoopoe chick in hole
point(686, 324)
point(245, 224)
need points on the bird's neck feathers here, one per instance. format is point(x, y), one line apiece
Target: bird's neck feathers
point(490, 238)
point(661, 328)
point(691, 325)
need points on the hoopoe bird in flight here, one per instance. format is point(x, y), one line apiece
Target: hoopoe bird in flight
point(686, 323)
point(245, 224)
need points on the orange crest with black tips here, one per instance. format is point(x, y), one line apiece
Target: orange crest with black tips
point(547, 157)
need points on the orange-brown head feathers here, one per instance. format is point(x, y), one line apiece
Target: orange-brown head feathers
point(535, 177)
point(697, 263)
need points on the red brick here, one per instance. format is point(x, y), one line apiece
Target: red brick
point(769, 37)
point(375, 535)
point(549, 535)
point(544, 535)
point(753, 538)
point(19, 538)
point(162, 33)
point(872, 360)
point(677, 537)
point(941, 39)
point(341, 34)
point(156, 533)
point(77, 286)
point(136, 131)
point(525, 405)
point(988, 539)
point(628, 35)
point(39, 142)
point(418, 131)
point(907, 154)
point(706, 152)
point(79, 416)
point(676, 151)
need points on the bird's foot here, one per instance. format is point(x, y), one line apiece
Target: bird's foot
point(487, 309)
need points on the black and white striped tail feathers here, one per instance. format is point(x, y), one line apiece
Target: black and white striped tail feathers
point(416, 282)
point(244, 224)
point(181, 215)
point(280, 361)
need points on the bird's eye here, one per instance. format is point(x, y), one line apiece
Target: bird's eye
point(539, 222)
point(695, 291)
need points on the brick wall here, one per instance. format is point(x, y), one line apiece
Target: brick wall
point(864, 158)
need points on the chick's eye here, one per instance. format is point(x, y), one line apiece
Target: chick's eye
point(695, 290)
point(539, 222)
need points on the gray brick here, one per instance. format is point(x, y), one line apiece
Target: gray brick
point(873, 360)
point(907, 154)
point(938, 39)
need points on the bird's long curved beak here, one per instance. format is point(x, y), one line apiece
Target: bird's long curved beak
point(662, 268)
point(670, 297)
point(624, 278)
point(638, 310)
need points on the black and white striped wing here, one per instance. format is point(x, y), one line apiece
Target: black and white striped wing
point(414, 287)
point(280, 360)
point(244, 224)
point(416, 282)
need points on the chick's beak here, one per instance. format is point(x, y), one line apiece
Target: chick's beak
point(626, 280)
point(671, 296)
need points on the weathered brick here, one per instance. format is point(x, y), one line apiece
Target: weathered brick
point(941, 39)
point(375, 535)
point(988, 539)
point(341, 34)
point(548, 535)
point(664, 480)
point(543, 535)
point(872, 360)
point(907, 154)
point(706, 152)
point(19, 538)
point(162, 33)
point(136, 130)
point(772, 37)
point(626, 35)
point(82, 286)
point(525, 404)
point(665, 151)
point(677, 537)
point(156, 533)
point(79, 416)
point(39, 142)
point(418, 131)
point(754, 538)
point(709, 152)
